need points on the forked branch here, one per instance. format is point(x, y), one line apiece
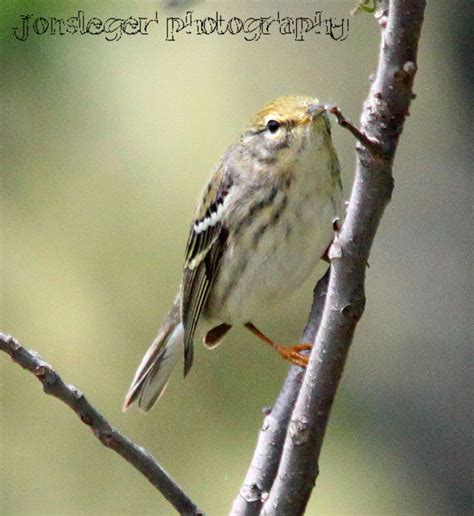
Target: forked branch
point(382, 120)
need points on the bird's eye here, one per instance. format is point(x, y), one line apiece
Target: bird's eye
point(273, 126)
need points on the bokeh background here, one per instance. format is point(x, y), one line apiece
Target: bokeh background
point(105, 147)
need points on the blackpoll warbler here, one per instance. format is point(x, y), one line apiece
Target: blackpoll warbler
point(263, 222)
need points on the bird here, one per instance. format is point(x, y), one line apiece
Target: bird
point(264, 220)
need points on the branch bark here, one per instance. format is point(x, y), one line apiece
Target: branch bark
point(140, 458)
point(382, 121)
point(266, 458)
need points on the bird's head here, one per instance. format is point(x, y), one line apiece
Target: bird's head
point(283, 128)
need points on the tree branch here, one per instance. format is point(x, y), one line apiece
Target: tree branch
point(382, 121)
point(140, 458)
point(266, 458)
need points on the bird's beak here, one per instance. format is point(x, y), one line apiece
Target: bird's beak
point(315, 110)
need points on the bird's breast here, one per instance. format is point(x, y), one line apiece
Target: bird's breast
point(268, 257)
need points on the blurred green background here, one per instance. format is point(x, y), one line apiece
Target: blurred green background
point(105, 147)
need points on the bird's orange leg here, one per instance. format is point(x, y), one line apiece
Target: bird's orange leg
point(290, 353)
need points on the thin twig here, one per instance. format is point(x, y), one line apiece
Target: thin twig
point(371, 144)
point(382, 120)
point(266, 458)
point(140, 458)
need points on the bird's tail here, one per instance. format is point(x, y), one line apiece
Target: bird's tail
point(155, 369)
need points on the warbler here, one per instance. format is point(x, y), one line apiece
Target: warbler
point(262, 223)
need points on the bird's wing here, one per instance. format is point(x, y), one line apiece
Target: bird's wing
point(206, 244)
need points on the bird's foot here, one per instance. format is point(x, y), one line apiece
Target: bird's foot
point(290, 353)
